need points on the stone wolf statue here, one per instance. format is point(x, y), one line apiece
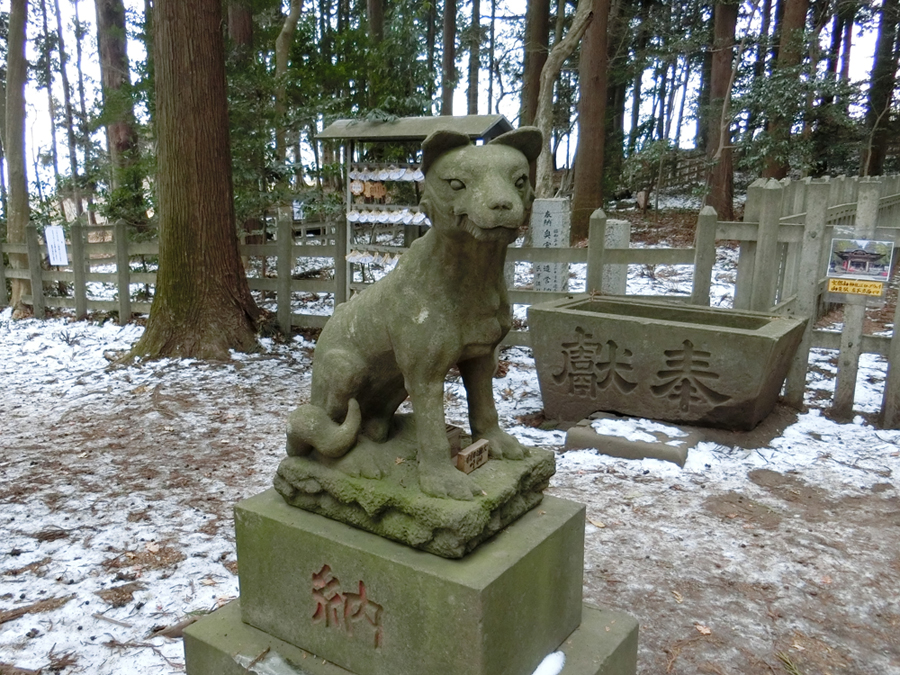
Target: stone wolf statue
point(444, 304)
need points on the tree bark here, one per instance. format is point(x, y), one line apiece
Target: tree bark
point(202, 307)
point(790, 52)
point(759, 63)
point(720, 179)
point(430, 42)
point(587, 192)
point(702, 136)
point(881, 92)
point(4, 194)
point(685, 81)
point(70, 115)
point(14, 143)
point(375, 17)
point(537, 41)
point(448, 62)
point(474, 59)
point(121, 134)
point(51, 102)
point(492, 55)
point(282, 55)
point(849, 20)
point(80, 36)
point(640, 58)
point(562, 49)
point(240, 24)
point(240, 32)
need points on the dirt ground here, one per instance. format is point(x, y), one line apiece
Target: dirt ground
point(780, 577)
point(783, 577)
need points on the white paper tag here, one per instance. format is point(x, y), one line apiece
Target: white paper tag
point(56, 245)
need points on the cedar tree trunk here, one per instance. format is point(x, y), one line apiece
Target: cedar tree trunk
point(121, 135)
point(881, 92)
point(720, 181)
point(240, 24)
point(448, 63)
point(537, 39)
point(790, 52)
point(543, 119)
point(282, 55)
point(14, 143)
point(375, 16)
point(202, 306)
point(474, 59)
point(587, 192)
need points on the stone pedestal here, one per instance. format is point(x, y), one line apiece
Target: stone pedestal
point(323, 598)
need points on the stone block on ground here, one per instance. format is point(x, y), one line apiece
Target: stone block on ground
point(651, 440)
point(221, 644)
point(376, 607)
point(393, 506)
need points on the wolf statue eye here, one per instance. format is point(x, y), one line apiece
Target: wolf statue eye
point(456, 184)
point(521, 182)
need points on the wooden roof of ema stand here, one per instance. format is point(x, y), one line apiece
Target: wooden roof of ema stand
point(476, 127)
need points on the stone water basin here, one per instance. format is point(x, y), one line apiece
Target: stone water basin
point(660, 360)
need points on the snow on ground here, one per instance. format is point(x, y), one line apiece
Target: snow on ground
point(117, 482)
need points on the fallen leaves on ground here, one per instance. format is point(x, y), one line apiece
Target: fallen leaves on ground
point(119, 596)
point(43, 606)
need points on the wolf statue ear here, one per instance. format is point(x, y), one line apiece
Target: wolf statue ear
point(527, 140)
point(437, 144)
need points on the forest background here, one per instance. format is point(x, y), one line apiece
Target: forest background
point(760, 87)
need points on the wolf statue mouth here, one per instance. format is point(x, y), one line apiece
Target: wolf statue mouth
point(498, 232)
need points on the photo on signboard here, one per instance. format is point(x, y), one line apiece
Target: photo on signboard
point(864, 259)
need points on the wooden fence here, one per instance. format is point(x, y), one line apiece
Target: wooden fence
point(688, 170)
point(105, 255)
point(110, 262)
point(783, 243)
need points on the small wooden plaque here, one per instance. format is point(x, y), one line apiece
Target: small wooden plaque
point(473, 456)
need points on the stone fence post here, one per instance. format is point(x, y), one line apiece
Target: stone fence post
point(811, 269)
point(704, 255)
point(76, 232)
point(743, 285)
point(4, 299)
point(123, 271)
point(284, 235)
point(890, 401)
point(34, 268)
point(596, 250)
point(855, 307)
point(615, 277)
point(765, 269)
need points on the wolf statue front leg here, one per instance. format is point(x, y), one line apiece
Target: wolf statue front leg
point(477, 374)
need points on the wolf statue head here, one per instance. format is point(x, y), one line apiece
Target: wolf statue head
point(482, 190)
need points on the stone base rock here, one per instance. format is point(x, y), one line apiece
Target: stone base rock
point(670, 448)
point(375, 487)
point(377, 607)
point(220, 644)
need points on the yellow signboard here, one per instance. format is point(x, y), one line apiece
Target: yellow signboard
point(855, 286)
